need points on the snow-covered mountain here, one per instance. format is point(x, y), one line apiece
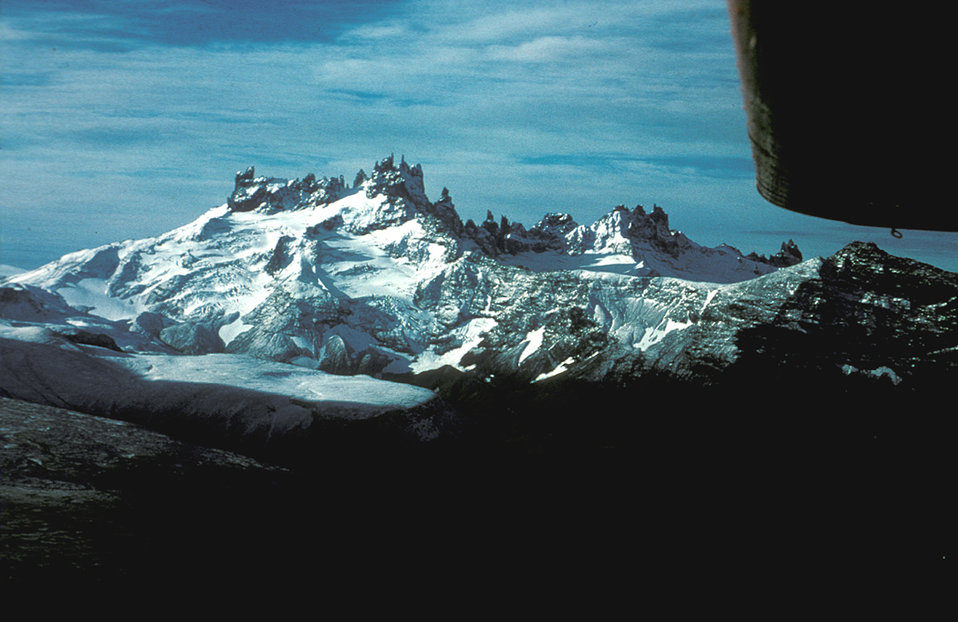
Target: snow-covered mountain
point(373, 280)
point(357, 279)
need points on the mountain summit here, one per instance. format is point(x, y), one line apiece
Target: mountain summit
point(395, 194)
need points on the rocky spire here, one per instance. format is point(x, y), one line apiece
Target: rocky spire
point(360, 179)
point(445, 211)
point(789, 255)
point(270, 194)
point(399, 182)
point(247, 194)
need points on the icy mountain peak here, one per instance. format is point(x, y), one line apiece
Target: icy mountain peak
point(374, 279)
point(621, 229)
point(395, 194)
point(271, 194)
point(789, 255)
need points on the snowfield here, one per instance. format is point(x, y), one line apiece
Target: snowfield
point(224, 391)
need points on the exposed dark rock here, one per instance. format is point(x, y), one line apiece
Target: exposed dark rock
point(281, 255)
point(247, 194)
point(89, 338)
point(334, 357)
point(149, 323)
point(622, 231)
point(372, 362)
point(32, 304)
point(789, 255)
point(270, 194)
point(445, 211)
point(360, 178)
point(398, 182)
point(245, 178)
point(192, 338)
point(870, 314)
point(88, 499)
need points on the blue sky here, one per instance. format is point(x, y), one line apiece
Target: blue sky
point(123, 119)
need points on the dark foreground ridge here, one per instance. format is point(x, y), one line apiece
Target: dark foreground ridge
point(553, 478)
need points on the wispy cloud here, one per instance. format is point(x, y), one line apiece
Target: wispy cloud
point(148, 107)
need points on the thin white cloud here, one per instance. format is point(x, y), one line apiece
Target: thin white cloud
point(471, 90)
point(365, 32)
point(498, 24)
point(551, 49)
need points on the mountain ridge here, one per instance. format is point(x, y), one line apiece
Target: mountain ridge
point(554, 232)
point(376, 280)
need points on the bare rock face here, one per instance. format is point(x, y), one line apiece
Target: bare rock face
point(402, 182)
point(192, 338)
point(623, 231)
point(789, 255)
point(247, 194)
point(868, 314)
point(334, 357)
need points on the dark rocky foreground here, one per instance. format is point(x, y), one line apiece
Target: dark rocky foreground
point(84, 497)
point(658, 474)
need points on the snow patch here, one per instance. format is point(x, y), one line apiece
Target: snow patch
point(654, 335)
point(270, 377)
point(708, 298)
point(878, 372)
point(591, 261)
point(560, 368)
point(533, 342)
point(471, 336)
point(92, 294)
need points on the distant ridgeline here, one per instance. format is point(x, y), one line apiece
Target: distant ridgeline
point(403, 184)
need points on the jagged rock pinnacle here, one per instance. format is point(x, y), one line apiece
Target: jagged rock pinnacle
point(360, 178)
